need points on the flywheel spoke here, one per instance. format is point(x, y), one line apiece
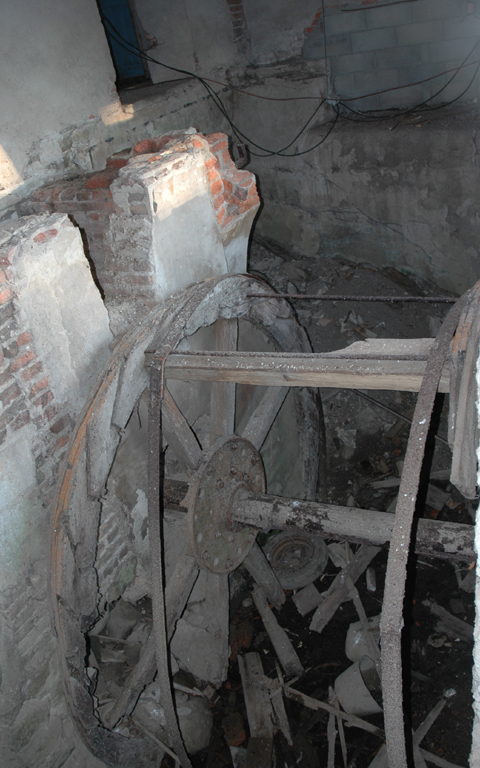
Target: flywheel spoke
point(264, 415)
point(178, 433)
point(222, 399)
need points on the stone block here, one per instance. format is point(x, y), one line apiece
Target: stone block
point(373, 39)
point(448, 50)
point(354, 62)
point(370, 82)
point(425, 10)
point(398, 57)
point(388, 16)
point(421, 32)
point(345, 85)
point(314, 46)
point(344, 22)
point(462, 28)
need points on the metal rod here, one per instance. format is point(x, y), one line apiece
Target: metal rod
point(340, 297)
point(392, 411)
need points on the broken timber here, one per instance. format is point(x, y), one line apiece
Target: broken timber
point(397, 364)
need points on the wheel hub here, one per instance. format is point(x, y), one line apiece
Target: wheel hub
point(218, 545)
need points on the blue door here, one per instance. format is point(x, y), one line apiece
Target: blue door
point(121, 37)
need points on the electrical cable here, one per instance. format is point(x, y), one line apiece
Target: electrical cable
point(218, 102)
point(365, 116)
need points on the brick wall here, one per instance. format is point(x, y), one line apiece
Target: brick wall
point(114, 211)
point(25, 393)
point(372, 49)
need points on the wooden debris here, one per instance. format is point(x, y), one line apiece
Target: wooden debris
point(311, 703)
point(258, 566)
point(307, 599)
point(257, 696)
point(450, 625)
point(276, 695)
point(338, 591)
point(283, 647)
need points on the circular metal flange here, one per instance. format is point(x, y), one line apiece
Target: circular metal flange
point(297, 558)
point(230, 464)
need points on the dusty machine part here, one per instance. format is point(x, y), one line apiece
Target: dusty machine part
point(231, 463)
point(297, 558)
point(98, 434)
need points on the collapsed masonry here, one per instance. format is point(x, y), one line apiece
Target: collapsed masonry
point(170, 212)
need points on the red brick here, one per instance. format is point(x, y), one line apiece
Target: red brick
point(29, 373)
point(61, 442)
point(213, 137)
point(44, 399)
point(21, 420)
point(162, 141)
point(39, 386)
point(5, 295)
point(228, 186)
point(42, 195)
point(58, 426)
point(7, 258)
point(68, 193)
point(93, 216)
point(119, 159)
point(3, 277)
point(212, 162)
point(234, 729)
point(10, 394)
point(145, 147)
point(216, 188)
point(51, 412)
point(99, 181)
point(42, 237)
point(213, 175)
point(197, 143)
point(221, 214)
point(240, 193)
point(219, 146)
point(307, 30)
point(237, 14)
point(22, 361)
point(24, 338)
point(218, 200)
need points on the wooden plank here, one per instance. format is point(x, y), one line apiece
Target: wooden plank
point(258, 566)
point(222, 397)
point(257, 696)
point(373, 364)
point(262, 511)
point(282, 644)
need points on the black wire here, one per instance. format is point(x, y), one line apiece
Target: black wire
point(366, 116)
point(216, 99)
point(418, 107)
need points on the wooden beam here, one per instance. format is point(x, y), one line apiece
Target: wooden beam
point(365, 526)
point(395, 364)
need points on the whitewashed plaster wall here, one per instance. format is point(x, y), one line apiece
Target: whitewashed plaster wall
point(56, 72)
